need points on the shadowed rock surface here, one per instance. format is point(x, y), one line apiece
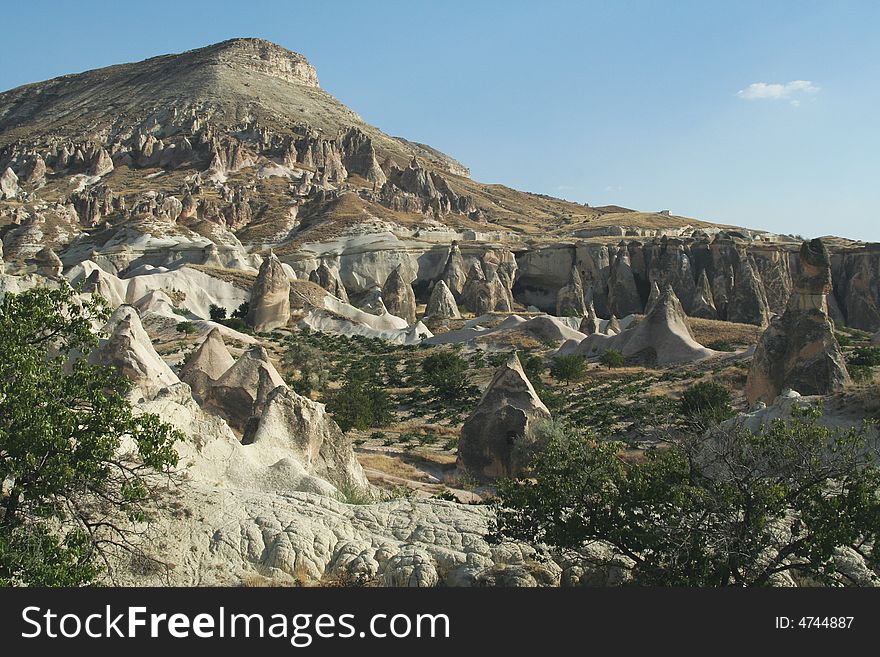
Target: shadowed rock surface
point(399, 297)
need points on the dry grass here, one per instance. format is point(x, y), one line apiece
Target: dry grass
point(707, 331)
point(389, 465)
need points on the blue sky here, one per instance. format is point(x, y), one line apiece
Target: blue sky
point(761, 114)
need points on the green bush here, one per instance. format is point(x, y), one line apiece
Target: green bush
point(359, 405)
point(447, 374)
point(706, 403)
point(187, 328)
point(612, 359)
point(721, 345)
point(242, 311)
point(864, 357)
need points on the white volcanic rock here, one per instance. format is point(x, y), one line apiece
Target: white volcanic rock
point(188, 288)
point(441, 304)
point(130, 350)
point(663, 337)
point(496, 436)
point(209, 362)
point(270, 297)
point(235, 396)
point(294, 427)
point(101, 164)
point(590, 323)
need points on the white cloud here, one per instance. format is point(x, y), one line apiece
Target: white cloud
point(777, 91)
point(614, 188)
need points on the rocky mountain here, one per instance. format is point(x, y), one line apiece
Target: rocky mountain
point(213, 156)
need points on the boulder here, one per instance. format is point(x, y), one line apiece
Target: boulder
point(399, 297)
point(101, 163)
point(704, 303)
point(798, 350)
point(209, 362)
point(270, 296)
point(613, 327)
point(235, 395)
point(129, 349)
point(496, 438)
point(570, 298)
point(442, 304)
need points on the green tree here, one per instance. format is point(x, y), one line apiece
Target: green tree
point(70, 492)
point(312, 367)
point(217, 313)
point(568, 368)
point(612, 359)
point(359, 404)
point(447, 374)
point(735, 508)
point(705, 404)
point(242, 311)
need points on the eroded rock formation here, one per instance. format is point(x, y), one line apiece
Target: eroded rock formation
point(798, 350)
point(498, 435)
point(270, 296)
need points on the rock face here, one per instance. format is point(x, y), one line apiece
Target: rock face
point(270, 297)
point(623, 295)
point(237, 395)
point(484, 293)
point(570, 298)
point(748, 302)
point(328, 279)
point(496, 437)
point(130, 350)
point(454, 273)
point(210, 361)
point(399, 297)
point(663, 337)
point(299, 426)
point(704, 303)
point(799, 350)
point(442, 304)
